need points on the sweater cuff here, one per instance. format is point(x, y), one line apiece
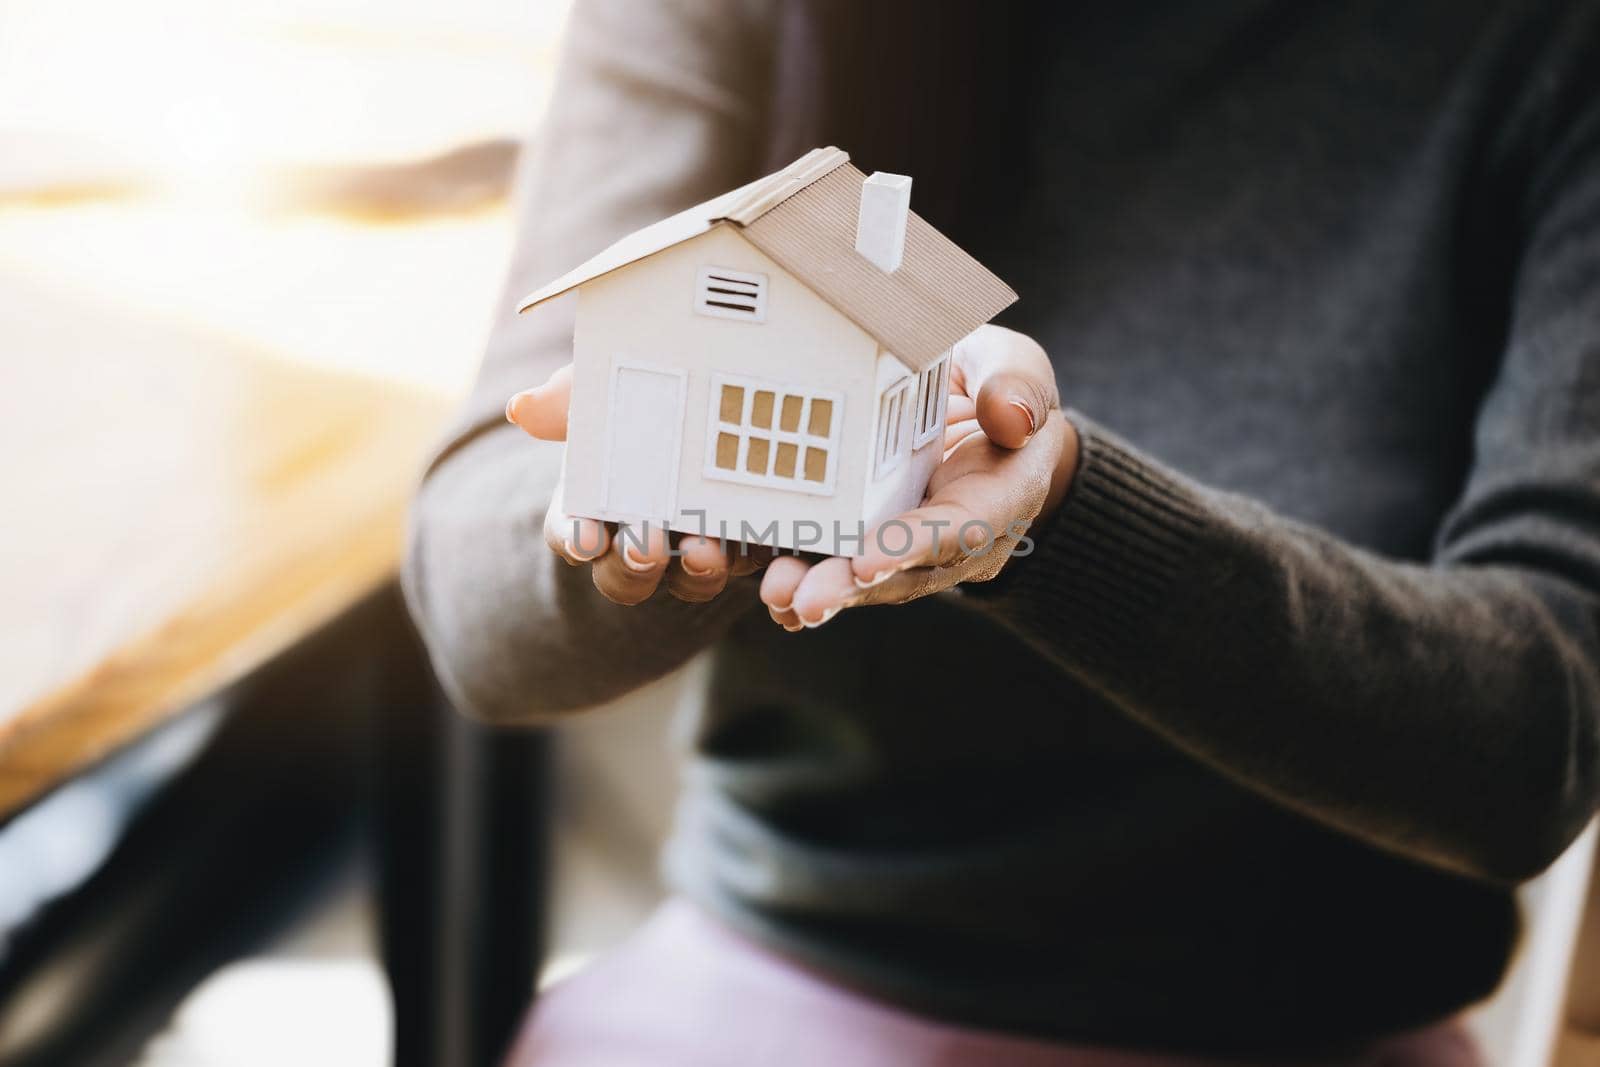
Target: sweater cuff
point(1114, 555)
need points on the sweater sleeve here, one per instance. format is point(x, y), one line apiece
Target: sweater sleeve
point(1446, 710)
point(655, 107)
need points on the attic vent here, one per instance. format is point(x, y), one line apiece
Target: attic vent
point(731, 294)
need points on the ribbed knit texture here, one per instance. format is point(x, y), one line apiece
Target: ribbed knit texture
point(1110, 557)
point(1300, 680)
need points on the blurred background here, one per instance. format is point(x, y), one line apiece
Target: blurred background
point(248, 253)
point(290, 174)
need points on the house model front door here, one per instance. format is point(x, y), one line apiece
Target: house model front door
point(646, 442)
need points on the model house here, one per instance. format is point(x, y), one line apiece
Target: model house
point(772, 364)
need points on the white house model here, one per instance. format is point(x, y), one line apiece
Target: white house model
point(771, 365)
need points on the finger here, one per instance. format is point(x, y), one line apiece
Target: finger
point(1011, 381)
point(542, 411)
point(573, 539)
point(827, 589)
point(959, 408)
point(701, 570)
point(632, 570)
point(906, 585)
point(748, 558)
point(778, 585)
point(936, 534)
point(957, 432)
point(576, 540)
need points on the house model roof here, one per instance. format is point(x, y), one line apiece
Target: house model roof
point(804, 218)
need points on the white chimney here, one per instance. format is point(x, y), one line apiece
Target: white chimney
point(881, 225)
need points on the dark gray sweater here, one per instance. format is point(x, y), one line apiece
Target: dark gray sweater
point(1302, 678)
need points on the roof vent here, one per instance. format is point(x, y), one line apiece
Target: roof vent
point(881, 224)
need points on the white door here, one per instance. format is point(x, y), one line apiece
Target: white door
point(646, 438)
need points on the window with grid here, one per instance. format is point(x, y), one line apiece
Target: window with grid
point(933, 387)
point(779, 436)
point(894, 425)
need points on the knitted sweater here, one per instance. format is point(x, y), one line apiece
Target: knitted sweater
point(1300, 680)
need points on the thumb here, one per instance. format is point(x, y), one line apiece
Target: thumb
point(1011, 381)
point(542, 411)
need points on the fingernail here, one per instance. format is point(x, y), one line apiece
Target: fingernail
point(575, 550)
point(700, 543)
point(876, 579)
point(636, 563)
point(510, 404)
point(826, 615)
point(1027, 413)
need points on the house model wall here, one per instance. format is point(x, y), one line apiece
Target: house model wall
point(735, 368)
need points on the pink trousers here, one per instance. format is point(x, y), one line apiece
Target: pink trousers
point(684, 991)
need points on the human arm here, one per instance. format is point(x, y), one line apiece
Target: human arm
point(1448, 710)
point(655, 107)
point(1444, 709)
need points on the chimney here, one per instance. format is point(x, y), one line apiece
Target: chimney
point(881, 225)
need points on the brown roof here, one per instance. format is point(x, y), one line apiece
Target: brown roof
point(804, 218)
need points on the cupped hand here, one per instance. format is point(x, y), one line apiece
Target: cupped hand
point(1009, 459)
point(626, 569)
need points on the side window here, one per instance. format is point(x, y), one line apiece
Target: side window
point(894, 425)
point(784, 437)
point(933, 388)
point(730, 294)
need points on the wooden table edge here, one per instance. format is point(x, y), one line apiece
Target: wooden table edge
point(178, 663)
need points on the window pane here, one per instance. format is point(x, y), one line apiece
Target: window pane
point(761, 409)
point(727, 451)
point(816, 464)
point(821, 418)
point(732, 409)
point(787, 454)
point(755, 460)
point(790, 419)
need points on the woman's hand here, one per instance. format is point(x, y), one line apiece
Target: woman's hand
point(624, 570)
point(1009, 459)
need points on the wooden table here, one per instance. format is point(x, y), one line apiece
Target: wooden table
point(177, 508)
